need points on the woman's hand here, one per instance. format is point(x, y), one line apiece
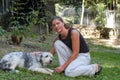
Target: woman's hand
point(34, 53)
point(59, 69)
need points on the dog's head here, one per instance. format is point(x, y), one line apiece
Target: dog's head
point(5, 65)
point(45, 58)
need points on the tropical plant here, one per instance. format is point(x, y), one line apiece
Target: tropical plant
point(99, 10)
point(33, 18)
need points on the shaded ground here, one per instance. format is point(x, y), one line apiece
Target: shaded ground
point(34, 44)
point(106, 42)
point(28, 44)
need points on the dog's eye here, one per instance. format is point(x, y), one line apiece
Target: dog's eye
point(5, 65)
point(46, 56)
point(41, 56)
point(9, 65)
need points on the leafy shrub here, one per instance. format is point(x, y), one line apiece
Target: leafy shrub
point(2, 31)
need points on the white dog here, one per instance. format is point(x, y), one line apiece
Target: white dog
point(31, 61)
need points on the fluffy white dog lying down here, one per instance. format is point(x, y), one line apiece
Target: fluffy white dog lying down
point(33, 61)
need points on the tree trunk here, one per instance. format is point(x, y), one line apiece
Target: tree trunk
point(47, 29)
point(16, 40)
point(82, 15)
point(3, 6)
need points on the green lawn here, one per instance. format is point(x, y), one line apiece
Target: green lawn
point(108, 57)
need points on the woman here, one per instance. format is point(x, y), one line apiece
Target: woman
point(72, 50)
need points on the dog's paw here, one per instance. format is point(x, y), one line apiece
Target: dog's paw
point(14, 71)
point(50, 70)
point(50, 73)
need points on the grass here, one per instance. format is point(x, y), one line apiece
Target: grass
point(108, 57)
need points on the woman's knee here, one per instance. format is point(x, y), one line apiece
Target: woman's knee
point(57, 43)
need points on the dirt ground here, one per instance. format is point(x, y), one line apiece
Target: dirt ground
point(35, 45)
point(27, 45)
point(115, 43)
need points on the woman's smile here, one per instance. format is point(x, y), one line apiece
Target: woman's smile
point(57, 26)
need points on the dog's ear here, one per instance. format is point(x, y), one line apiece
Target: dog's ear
point(39, 57)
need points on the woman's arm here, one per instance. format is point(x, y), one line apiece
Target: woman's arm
point(52, 50)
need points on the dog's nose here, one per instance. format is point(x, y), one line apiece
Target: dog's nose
point(50, 61)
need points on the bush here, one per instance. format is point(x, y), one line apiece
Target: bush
point(2, 31)
point(5, 20)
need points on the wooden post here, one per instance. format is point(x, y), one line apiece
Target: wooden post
point(3, 5)
point(82, 15)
